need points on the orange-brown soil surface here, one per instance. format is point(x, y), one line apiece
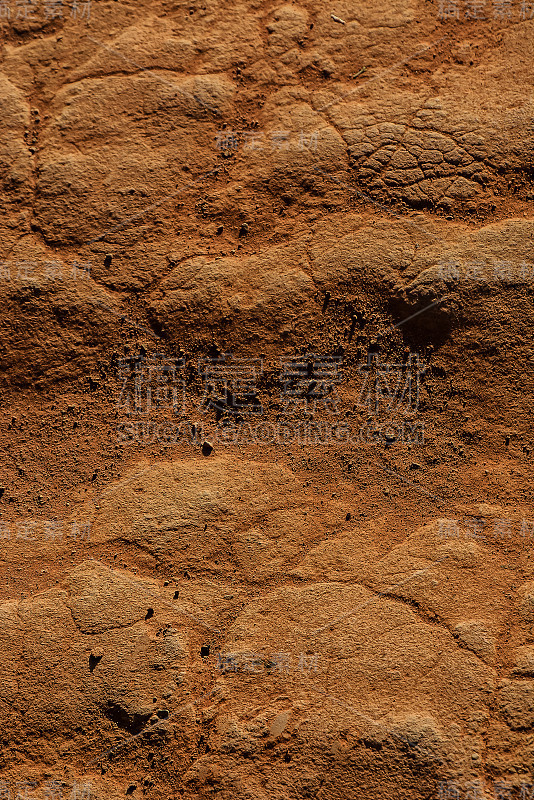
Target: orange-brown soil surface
point(267, 342)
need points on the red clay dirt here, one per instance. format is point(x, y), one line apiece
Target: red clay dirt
point(267, 286)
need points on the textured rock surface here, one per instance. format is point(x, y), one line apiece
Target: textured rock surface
point(204, 603)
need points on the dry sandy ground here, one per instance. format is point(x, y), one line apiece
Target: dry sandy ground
point(266, 341)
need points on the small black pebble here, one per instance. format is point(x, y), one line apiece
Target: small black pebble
point(131, 788)
point(205, 650)
point(219, 230)
point(149, 613)
point(347, 517)
point(107, 260)
point(243, 230)
point(163, 714)
point(207, 448)
point(176, 595)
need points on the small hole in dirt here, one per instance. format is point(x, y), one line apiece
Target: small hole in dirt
point(176, 595)
point(205, 650)
point(93, 661)
point(287, 758)
point(149, 613)
point(131, 788)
